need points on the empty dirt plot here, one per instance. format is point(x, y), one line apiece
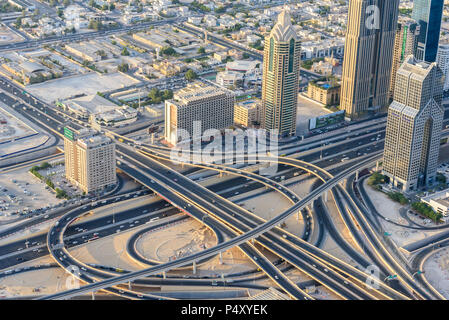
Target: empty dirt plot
point(88, 84)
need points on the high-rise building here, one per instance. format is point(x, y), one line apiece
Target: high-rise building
point(428, 13)
point(197, 104)
point(89, 159)
point(405, 44)
point(414, 124)
point(369, 43)
point(281, 66)
point(443, 63)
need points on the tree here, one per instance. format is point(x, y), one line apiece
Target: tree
point(96, 25)
point(18, 22)
point(191, 75)
point(124, 67)
point(125, 52)
point(101, 53)
point(168, 94)
point(154, 94)
point(201, 50)
point(168, 51)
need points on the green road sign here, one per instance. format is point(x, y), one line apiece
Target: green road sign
point(68, 133)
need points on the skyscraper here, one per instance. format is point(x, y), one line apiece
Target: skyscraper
point(443, 63)
point(368, 55)
point(405, 44)
point(281, 63)
point(414, 124)
point(428, 14)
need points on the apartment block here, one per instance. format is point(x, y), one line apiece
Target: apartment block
point(89, 159)
point(197, 104)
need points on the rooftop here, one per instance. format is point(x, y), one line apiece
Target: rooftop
point(198, 91)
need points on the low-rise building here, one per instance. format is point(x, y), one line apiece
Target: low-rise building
point(168, 68)
point(439, 201)
point(83, 107)
point(248, 113)
point(229, 79)
point(118, 117)
point(31, 71)
point(325, 92)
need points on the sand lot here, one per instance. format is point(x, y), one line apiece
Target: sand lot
point(8, 37)
point(390, 209)
point(436, 270)
point(89, 83)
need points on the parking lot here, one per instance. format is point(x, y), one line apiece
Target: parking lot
point(20, 192)
point(56, 173)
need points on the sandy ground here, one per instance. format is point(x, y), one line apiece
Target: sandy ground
point(14, 128)
point(436, 270)
point(390, 209)
point(89, 83)
point(329, 244)
point(307, 110)
point(171, 243)
point(269, 205)
point(22, 284)
point(8, 37)
point(110, 251)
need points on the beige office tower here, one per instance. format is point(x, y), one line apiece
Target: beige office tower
point(280, 85)
point(405, 44)
point(201, 105)
point(414, 123)
point(443, 63)
point(369, 43)
point(89, 159)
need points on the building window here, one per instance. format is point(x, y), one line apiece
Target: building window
point(270, 60)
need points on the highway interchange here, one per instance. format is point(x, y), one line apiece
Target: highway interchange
point(182, 196)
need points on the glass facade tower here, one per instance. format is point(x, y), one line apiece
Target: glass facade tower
point(428, 13)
